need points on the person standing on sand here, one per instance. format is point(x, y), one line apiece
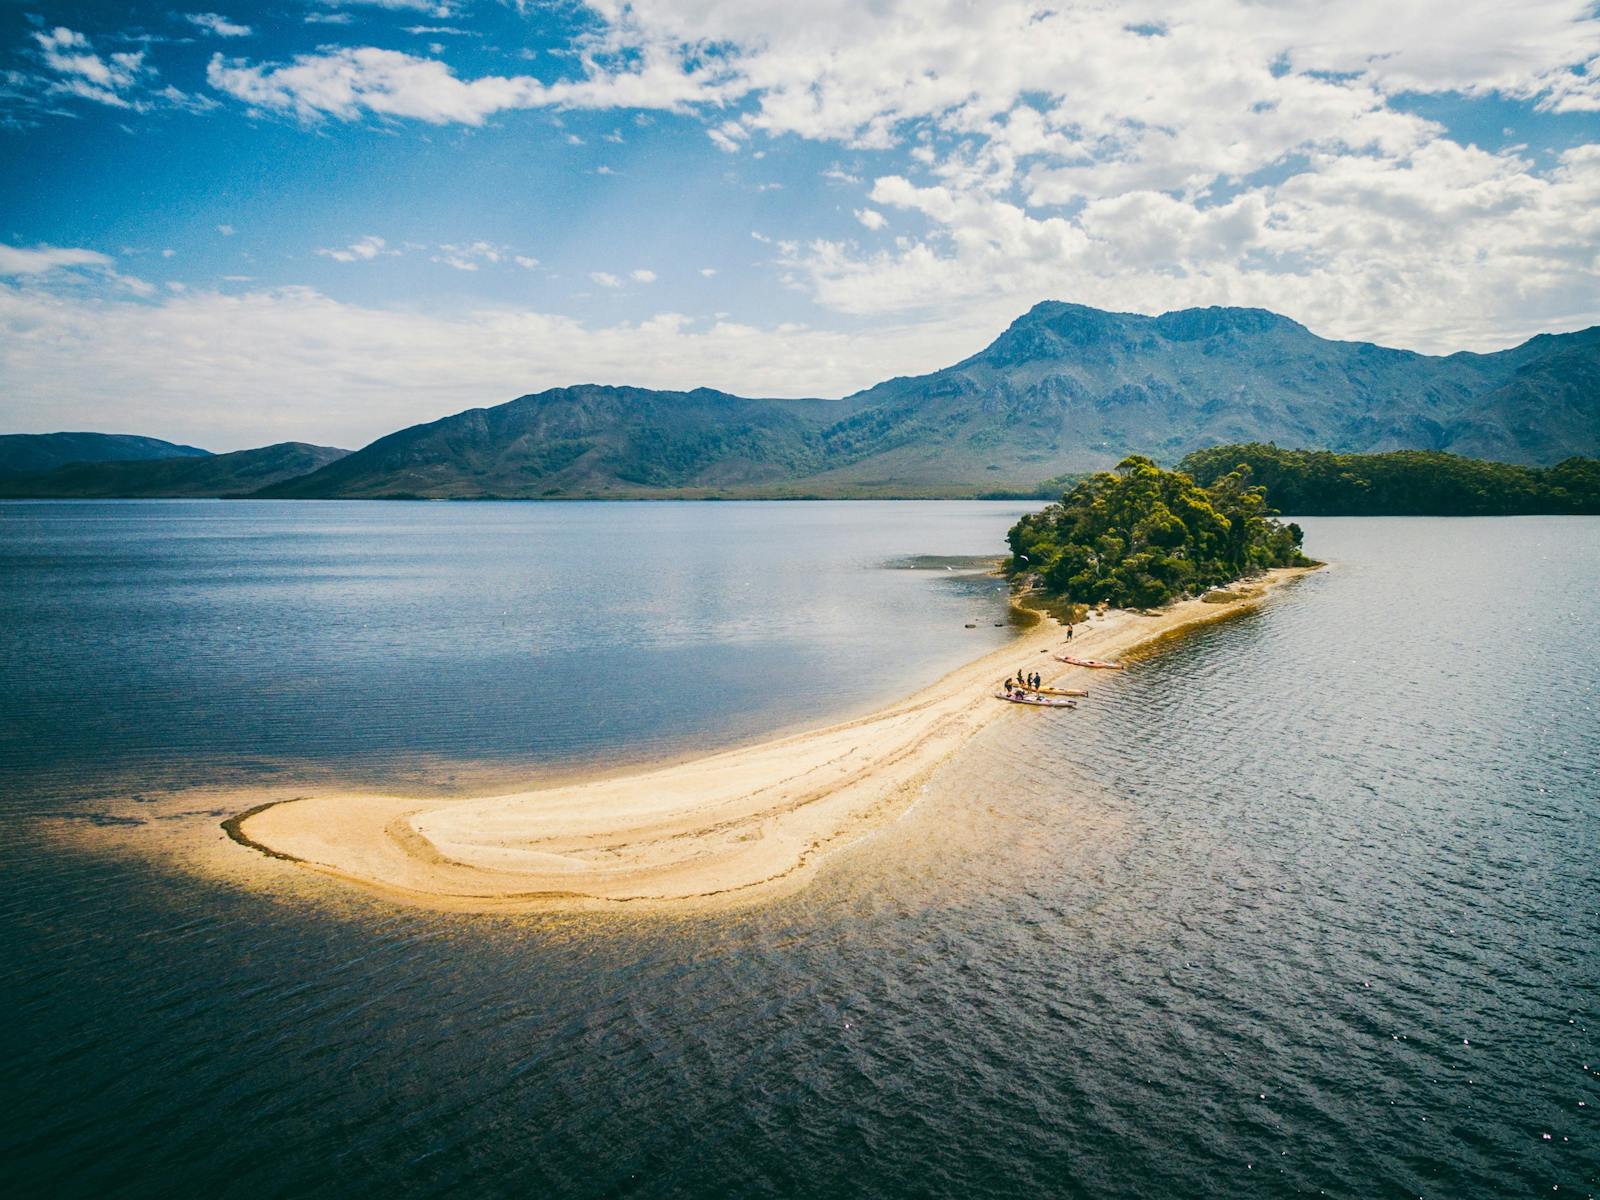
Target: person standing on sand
point(1069, 633)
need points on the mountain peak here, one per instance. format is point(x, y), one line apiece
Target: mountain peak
point(1053, 328)
point(1194, 324)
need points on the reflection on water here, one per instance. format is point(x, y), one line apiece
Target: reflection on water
point(183, 642)
point(1305, 905)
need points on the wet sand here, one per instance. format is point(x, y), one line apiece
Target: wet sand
point(733, 827)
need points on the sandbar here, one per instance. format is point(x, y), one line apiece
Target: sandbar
point(732, 827)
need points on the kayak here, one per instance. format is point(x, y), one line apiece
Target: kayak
point(1088, 662)
point(1050, 691)
point(1036, 701)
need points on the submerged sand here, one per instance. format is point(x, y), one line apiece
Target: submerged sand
point(730, 827)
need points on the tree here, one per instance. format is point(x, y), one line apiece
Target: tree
point(1141, 536)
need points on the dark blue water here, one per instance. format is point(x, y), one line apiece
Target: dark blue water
point(1306, 904)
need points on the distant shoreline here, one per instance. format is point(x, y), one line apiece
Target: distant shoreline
point(733, 827)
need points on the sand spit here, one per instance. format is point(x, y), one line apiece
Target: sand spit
point(731, 827)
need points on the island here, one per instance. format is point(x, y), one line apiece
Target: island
point(1141, 536)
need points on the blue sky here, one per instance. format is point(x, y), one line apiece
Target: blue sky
point(235, 224)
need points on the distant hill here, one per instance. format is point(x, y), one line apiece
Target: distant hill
point(1402, 483)
point(588, 440)
point(1066, 389)
point(31, 453)
point(235, 474)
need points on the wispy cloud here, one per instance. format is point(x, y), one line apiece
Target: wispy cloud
point(41, 260)
point(217, 24)
point(469, 256)
point(361, 250)
point(86, 74)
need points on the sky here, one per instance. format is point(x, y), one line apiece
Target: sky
point(322, 220)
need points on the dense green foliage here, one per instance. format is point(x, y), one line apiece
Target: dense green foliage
point(1142, 536)
point(1403, 482)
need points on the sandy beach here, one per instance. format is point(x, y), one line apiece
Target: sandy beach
point(731, 827)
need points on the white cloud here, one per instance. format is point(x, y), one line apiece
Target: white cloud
point(434, 8)
point(523, 261)
point(1453, 249)
point(226, 230)
point(469, 256)
point(708, 272)
point(86, 74)
point(350, 82)
point(216, 23)
point(70, 266)
point(294, 363)
point(642, 275)
point(605, 279)
point(841, 70)
point(41, 260)
point(361, 250)
point(1138, 155)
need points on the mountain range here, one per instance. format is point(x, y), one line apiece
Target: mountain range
point(1064, 390)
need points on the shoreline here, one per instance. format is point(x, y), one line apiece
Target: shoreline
point(735, 826)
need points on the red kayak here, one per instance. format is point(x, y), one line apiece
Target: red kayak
point(1088, 662)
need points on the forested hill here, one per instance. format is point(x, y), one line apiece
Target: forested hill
point(1066, 389)
point(1312, 483)
point(235, 474)
point(31, 453)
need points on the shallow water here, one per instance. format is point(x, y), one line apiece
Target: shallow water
point(1306, 904)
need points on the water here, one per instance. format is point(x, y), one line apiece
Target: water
point(183, 642)
point(1306, 904)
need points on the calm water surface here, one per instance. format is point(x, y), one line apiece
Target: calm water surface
point(1307, 904)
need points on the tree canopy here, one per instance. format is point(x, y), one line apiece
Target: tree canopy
point(1141, 536)
point(1403, 482)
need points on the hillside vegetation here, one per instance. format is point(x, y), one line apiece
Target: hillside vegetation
point(32, 453)
point(1402, 483)
point(236, 474)
point(1141, 536)
point(1065, 390)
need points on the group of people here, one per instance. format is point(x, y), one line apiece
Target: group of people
point(1022, 682)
